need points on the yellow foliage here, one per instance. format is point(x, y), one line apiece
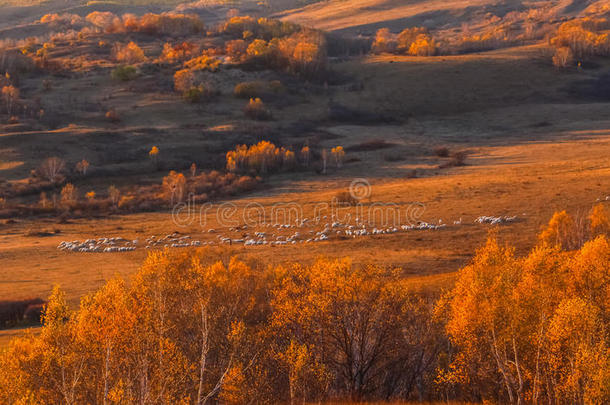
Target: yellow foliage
point(534, 320)
point(424, 45)
point(260, 158)
point(599, 220)
point(560, 231)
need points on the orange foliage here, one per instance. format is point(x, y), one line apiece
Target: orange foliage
point(175, 53)
point(130, 53)
point(260, 158)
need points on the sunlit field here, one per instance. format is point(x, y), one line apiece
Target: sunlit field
point(291, 201)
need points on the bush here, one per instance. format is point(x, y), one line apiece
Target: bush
point(249, 90)
point(124, 73)
point(203, 62)
point(256, 110)
point(184, 80)
point(258, 88)
point(129, 53)
point(236, 49)
point(175, 53)
point(424, 45)
point(113, 116)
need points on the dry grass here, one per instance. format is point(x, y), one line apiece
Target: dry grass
point(530, 180)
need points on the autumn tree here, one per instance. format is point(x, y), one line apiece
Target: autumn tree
point(350, 317)
point(338, 155)
point(384, 41)
point(82, 167)
point(69, 195)
point(129, 53)
point(599, 220)
point(114, 195)
point(52, 169)
point(10, 96)
point(174, 187)
point(534, 323)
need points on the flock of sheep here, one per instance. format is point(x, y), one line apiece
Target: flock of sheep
point(277, 237)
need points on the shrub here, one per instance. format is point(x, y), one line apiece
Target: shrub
point(249, 90)
point(184, 80)
point(203, 62)
point(113, 116)
point(256, 109)
point(258, 88)
point(259, 48)
point(236, 26)
point(199, 93)
point(129, 53)
point(236, 49)
point(424, 45)
point(175, 53)
point(124, 73)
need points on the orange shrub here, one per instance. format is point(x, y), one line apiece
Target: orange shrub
point(129, 53)
point(424, 45)
point(236, 49)
point(175, 53)
point(203, 62)
point(183, 80)
point(257, 110)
